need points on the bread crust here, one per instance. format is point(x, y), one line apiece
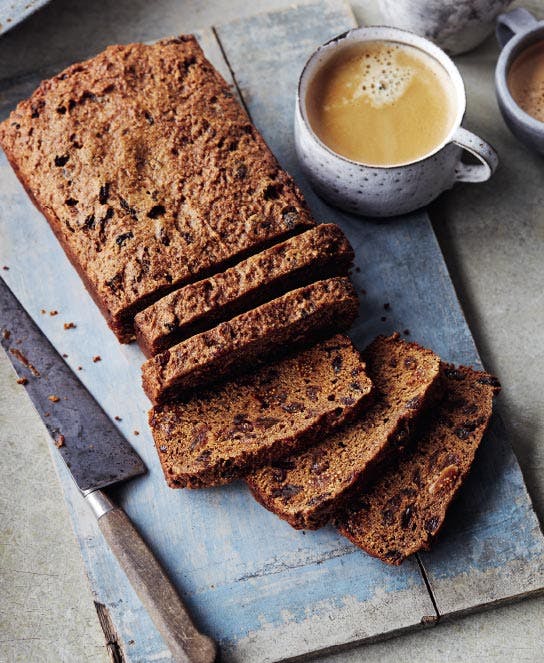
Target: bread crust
point(149, 173)
point(327, 476)
point(220, 435)
point(405, 509)
point(316, 254)
point(243, 343)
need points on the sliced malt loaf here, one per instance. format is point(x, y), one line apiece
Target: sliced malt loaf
point(220, 435)
point(319, 253)
point(302, 315)
point(404, 510)
point(149, 172)
point(320, 482)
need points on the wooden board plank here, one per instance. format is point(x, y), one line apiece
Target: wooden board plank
point(492, 549)
point(250, 580)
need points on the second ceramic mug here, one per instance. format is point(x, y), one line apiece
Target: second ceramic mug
point(384, 191)
point(516, 31)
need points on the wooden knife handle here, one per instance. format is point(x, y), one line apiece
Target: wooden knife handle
point(156, 592)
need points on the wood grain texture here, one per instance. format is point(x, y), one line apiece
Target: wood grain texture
point(264, 591)
point(498, 548)
point(155, 591)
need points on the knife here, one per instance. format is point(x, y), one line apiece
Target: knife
point(98, 456)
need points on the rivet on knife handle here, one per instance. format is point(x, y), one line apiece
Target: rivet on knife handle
point(154, 589)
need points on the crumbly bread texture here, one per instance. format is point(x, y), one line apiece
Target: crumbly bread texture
point(220, 435)
point(149, 172)
point(300, 316)
point(318, 253)
point(320, 482)
point(404, 510)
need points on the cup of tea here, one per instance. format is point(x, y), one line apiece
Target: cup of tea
point(519, 76)
point(378, 123)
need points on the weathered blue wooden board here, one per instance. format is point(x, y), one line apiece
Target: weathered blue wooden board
point(263, 590)
point(492, 548)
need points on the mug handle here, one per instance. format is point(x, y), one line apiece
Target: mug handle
point(509, 24)
point(481, 150)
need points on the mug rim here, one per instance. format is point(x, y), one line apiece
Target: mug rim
point(426, 46)
point(511, 50)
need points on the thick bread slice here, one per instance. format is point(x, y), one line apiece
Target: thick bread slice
point(149, 172)
point(404, 510)
point(319, 253)
point(220, 435)
point(320, 482)
point(301, 315)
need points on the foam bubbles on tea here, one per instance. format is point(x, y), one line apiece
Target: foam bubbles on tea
point(381, 103)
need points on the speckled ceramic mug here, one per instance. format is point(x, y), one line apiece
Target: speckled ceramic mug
point(516, 31)
point(383, 191)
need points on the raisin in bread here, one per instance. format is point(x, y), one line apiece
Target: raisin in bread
point(299, 316)
point(318, 253)
point(319, 482)
point(149, 172)
point(222, 434)
point(404, 510)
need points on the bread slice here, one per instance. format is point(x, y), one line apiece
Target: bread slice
point(301, 315)
point(320, 482)
point(404, 510)
point(220, 435)
point(319, 253)
point(149, 172)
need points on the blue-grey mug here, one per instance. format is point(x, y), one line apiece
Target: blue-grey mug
point(516, 31)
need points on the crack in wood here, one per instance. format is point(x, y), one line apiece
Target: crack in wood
point(113, 642)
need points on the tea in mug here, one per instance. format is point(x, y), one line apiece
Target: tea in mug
point(526, 80)
point(382, 103)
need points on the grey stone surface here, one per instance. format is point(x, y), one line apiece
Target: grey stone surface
point(493, 238)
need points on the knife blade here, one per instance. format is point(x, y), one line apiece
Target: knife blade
point(98, 456)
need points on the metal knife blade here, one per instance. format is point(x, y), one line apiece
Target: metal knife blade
point(95, 452)
point(98, 455)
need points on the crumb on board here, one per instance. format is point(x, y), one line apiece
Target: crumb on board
point(357, 269)
point(6, 334)
point(383, 318)
point(53, 398)
point(69, 325)
point(59, 441)
point(22, 381)
point(25, 362)
point(97, 358)
point(53, 312)
point(43, 311)
point(387, 306)
point(65, 355)
point(80, 368)
point(136, 432)
point(117, 418)
point(406, 332)
point(6, 268)
point(47, 414)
